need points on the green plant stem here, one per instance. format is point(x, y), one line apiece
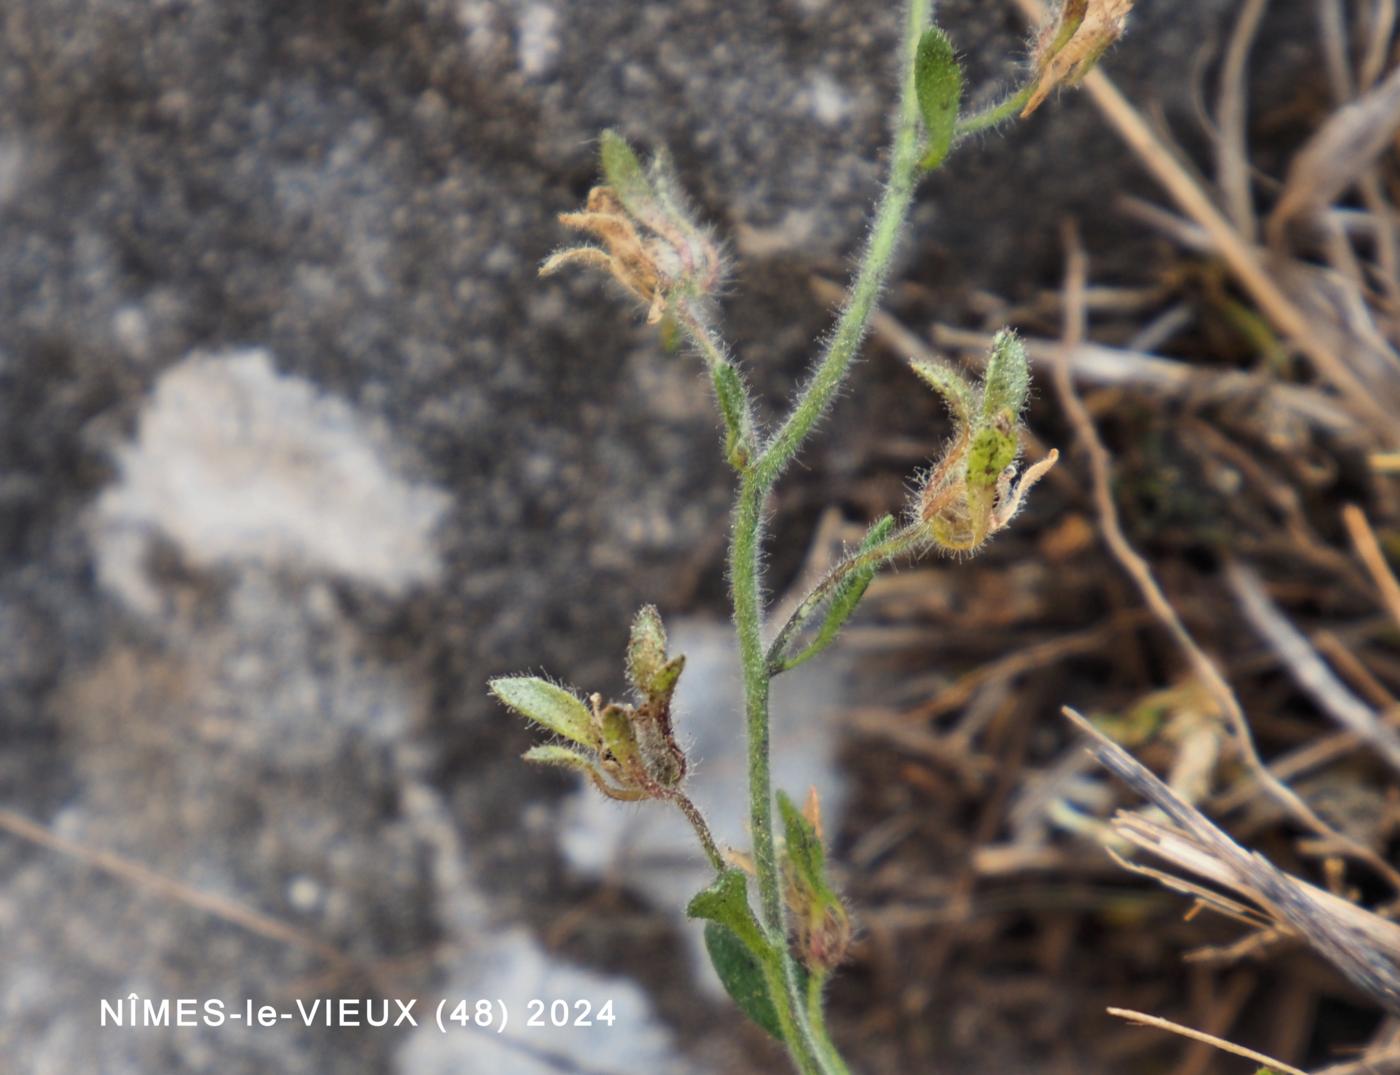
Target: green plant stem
point(702, 830)
point(746, 590)
point(806, 1058)
point(817, 1018)
point(809, 1047)
point(870, 279)
point(910, 539)
point(994, 116)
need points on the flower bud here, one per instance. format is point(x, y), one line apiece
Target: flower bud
point(972, 492)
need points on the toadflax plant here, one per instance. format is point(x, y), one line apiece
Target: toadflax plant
point(776, 960)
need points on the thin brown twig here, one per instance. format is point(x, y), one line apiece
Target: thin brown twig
point(1076, 275)
point(1377, 36)
point(1242, 257)
point(135, 873)
point(1363, 540)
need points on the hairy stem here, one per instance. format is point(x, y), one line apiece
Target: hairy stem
point(817, 1018)
point(702, 830)
point(870, 279)
point(910, 539)
point(997, 114)
point(807, 1044)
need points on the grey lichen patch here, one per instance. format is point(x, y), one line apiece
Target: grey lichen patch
point(234, 462)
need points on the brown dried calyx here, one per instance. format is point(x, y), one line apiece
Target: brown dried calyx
point(1070, 46)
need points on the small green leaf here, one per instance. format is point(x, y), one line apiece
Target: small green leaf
point(729, 393)
point(549, 705)
point(624, 173)
point(938, 85)
point(950, 384)
point(1007, 380)
point(727, 902)
point(563, 757)
point(845, 598)
point(803, 848)
point(742, 975)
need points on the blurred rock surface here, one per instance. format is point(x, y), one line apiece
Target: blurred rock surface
point(311, 227)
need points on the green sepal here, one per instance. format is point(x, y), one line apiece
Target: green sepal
point(950, 384)
point(1007, 380)
point(624, 173)
point(646, 650)
point(727, 902)
point(664, 683)
point(938, 86)
point(742, 976)
point(620, 738)
point(844, 600)
point(548, 705)
point(649, 669)
point(803, 849)
point(991, 452)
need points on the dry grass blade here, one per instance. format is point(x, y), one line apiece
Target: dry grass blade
point(1140, 572)
point(1335, 157)
point(1363, 539)
point(222, 907)
point(1143, 1019)
point(1310, 671)
point(1362, 945)
point(1243, 258)
point(1097, 364)
point(1232, 159)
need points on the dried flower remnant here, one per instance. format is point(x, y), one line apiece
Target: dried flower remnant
point(651, 244)
point(1070, 46)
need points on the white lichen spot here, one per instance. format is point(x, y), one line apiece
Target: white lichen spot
point(828, 99)
point(538, 42)
point(235, 462)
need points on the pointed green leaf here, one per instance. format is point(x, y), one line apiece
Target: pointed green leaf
point(563, 757)
point(938, 85)
point(727, 902)
point(950, 384)
point(802, 847)
point(729, 393)
point(845, 599)
point(1007, 380)
point(742, 975)
point(547, 704)
point(624, 173)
